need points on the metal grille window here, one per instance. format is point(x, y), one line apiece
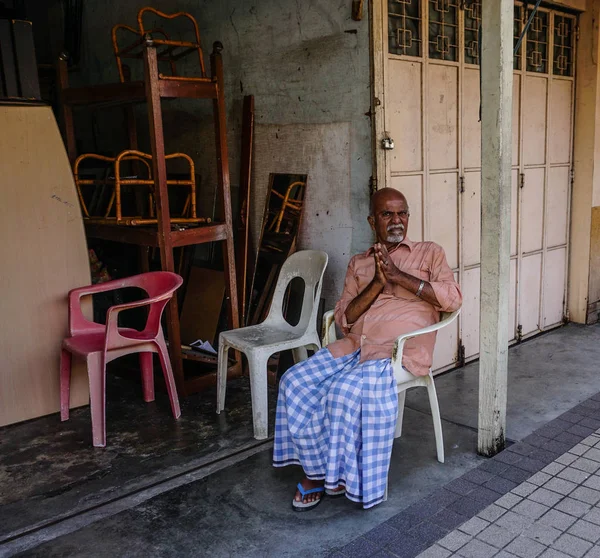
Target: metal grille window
point(537, 43)
point(518, 28)
point(404, 27)
point(563, 45)
point(443, 29)
point(472, 25)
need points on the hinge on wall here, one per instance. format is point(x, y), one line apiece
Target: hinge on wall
point(460, 360)
point(577, 32)
point(372, 185)
point(461, 184)
point(572, 178)
point(519, 337)
point(522, 180)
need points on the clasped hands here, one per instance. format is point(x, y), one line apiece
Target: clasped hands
point(385, 269)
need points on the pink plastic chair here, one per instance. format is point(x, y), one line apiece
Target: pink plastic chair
point(99, 344)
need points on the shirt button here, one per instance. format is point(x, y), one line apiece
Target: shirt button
point(363, 337)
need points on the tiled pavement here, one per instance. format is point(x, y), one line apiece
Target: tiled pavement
point(540, 498)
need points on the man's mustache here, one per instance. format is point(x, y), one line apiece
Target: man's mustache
point(399, 227)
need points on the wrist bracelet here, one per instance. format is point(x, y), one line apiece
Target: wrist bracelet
point(418, 293)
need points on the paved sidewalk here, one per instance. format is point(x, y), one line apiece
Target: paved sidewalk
point(554, 514)
point(539, 498)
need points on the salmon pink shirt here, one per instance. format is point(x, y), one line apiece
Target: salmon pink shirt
point(396, 310)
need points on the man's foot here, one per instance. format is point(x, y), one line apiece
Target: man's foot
point(335, 492)
point(308, 484)
point(308, 495)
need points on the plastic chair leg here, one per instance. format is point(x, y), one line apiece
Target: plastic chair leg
point(437, 420)
point(165, 363)
point(258, 390)
point(400, 419)
point(147, 376)
point(97, 379)
point(222, 375)
point(65, 384)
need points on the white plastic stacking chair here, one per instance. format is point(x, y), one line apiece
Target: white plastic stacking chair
point(404, 379)
point(275, 334)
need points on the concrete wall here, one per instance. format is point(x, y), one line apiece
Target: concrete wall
point(306, 63)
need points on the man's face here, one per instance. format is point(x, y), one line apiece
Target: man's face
point(390, 220)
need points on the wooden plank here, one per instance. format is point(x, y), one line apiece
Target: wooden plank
point(44, 255)
point(216, 62)
point(376, 9)
point(243, 260)
point(108, 93)
point(8, 67)
point(127, 235)
point(199, 235)
point(202, 305)
point(27, 70)
point(159, 172)
point(172, 89)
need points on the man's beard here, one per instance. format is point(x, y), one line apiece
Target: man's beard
point(397, 236)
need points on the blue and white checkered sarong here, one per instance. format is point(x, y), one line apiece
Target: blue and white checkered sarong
point(336, 418)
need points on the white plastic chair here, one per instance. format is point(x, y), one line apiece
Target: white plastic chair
point(404, 379)
point(275, 334)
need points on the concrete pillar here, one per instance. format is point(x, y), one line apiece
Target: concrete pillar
point(496, 159)
point(584, 260)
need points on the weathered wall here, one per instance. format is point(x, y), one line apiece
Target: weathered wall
point(306, 63)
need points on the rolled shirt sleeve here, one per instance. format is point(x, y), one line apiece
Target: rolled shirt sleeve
point(442, 282)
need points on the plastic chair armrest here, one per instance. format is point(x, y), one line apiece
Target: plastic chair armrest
point(328, 333)
point(399, 344)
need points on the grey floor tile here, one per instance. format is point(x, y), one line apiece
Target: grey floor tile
point(579, 449)
point(593, 482)
point(485, 495)
point(566, 459)
point(593, 552)
point(573, 475)
point(585, 494)
point(384, 553)
point(571, 417)
point(491, 513)
point(551, 553)
point(585, 530)
point(448, 519)
point(593, 516)
point(477, 549)
point(514, 522)
point(493, 466)
point(593, 454)
point(534, 510)
point(573, 546)
point(360, 547)
point(427, 532)
point(383, 534)
point(522, 448)
point(467, 506)
point(478, 476)
point(540, 478)
point(546, 497)
point(497, 536)
point(561, 486)
point(524, 489)
point(455, 540)
point(535, 465)
point(406, 547)
point(435, 551)
point(473, 526)
point(568, 438)
point(542, 533)
point(558, 519)
point(403, 521)
point(586, 465)
point(525, 548)
point(501, 485)
point(573, 507)
point(508, 501)
point(515, 474)
point(553, 468)
point(461, 486)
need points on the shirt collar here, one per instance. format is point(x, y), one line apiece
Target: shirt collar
point(406, 242)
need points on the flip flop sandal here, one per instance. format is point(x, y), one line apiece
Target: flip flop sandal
point(301, 506)
point(335, 493)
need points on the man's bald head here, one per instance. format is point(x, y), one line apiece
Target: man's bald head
point(383, 195)
point(389, 215)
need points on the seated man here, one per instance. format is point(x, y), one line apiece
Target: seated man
point(336, 411)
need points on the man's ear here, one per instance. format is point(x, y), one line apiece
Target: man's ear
point(371, 221)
